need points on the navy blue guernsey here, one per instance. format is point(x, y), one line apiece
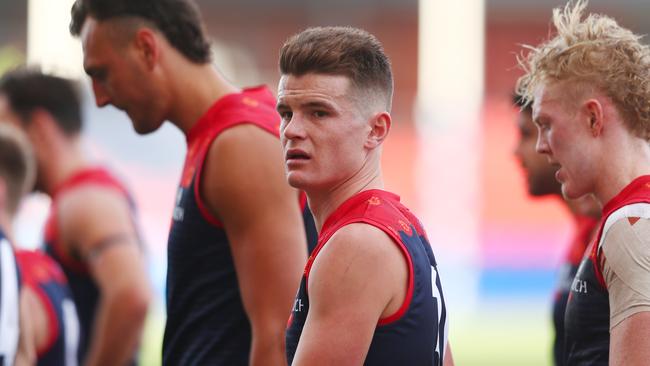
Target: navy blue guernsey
point(417, 333)
point(585, 230)
point(46, 279)
point(84, 289)
point(206, 321)
point(10, 282)
point(587, 315)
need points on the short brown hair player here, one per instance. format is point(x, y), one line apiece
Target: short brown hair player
point(370, 293)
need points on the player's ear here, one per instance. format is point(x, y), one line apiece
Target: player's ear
point(379, 127)
point(595, 116)
point(148, 46)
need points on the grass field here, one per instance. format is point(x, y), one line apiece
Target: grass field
point(502, 333)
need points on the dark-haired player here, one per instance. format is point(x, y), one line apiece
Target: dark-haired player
point(90, 231)
point(237, 243)
point(540, 179)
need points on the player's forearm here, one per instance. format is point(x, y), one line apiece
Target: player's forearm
point(26, 353)
point(25, 358)
point(118, 327)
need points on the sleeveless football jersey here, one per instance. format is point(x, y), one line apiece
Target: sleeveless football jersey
point(585, 230)
point(46, 279)
point(206, 321)
point(587, 315)
point(417, 333)
point(84, 289)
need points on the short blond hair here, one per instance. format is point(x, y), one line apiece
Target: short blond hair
point(595, 52)
point(17, 165)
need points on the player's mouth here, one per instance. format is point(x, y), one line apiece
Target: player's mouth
point(296, 156)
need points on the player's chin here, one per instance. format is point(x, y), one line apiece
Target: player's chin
point(143, 127)
point(571, 192)
point(296, 180)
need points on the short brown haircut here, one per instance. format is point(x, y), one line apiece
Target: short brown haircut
point(345, 51)
point(594, 52)
point(17, 166)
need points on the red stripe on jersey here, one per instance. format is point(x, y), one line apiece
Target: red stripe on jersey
point(52, 321)
point(254, 106)
point(38, 269)
point(329, 229)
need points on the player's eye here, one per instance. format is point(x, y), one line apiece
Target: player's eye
point(286, 115)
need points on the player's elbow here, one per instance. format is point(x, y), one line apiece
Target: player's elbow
point(268, 344)
point(137, 301)
point(131, 303)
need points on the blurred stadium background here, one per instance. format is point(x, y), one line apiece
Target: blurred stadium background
point(449, 154)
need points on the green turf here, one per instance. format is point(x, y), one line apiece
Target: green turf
point(151, 347)
point(507, 333)
point(510, 334)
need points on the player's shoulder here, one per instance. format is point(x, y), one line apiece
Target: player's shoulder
point(244, 151)
point(360, 238)
point(358, 232)
point(89, 207)
point(626, 243)
point(89, 198)
point(626, 231)
point(244, 137)
point(357, 257)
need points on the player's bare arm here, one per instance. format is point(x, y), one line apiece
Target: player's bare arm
point(31, 317)
point(96, 222)
point(625, 253)
point(359, 277)
point(629, 344)
point(243, 184)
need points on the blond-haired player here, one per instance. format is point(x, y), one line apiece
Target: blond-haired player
point(591, 90)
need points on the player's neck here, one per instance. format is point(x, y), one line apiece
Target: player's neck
point(193, 90)
point(60, 161)
point(324, 202)
point(624, 164)
point(585, 206)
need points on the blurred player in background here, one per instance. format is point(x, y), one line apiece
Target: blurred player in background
point(370, 293)
point(16, 177)
point(91, 230)
point(237, 244)
point(49, 325)
point(590, 87)
point(541, 182)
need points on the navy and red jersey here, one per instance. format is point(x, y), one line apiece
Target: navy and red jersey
point(46, 279)
point(585, 229)
point(587, 315)
point(84, 288)
point(417, 333)
point(10, 282)
point(206, 321)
